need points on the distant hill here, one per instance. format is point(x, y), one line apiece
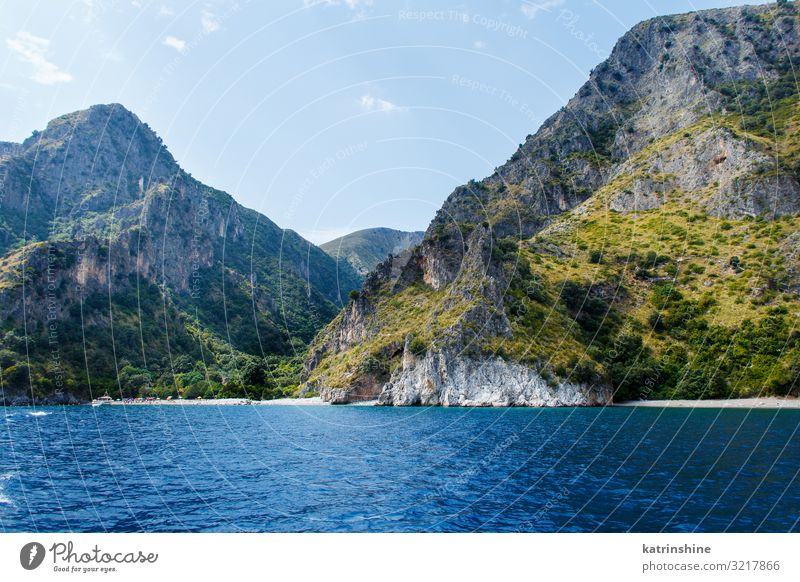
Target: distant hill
point(364, 249)
point(119, 271)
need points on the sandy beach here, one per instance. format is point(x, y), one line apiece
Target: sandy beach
point(316, 401)
point(769, 402)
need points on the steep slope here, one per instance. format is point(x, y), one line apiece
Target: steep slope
point(364, 249)
point(122, 272)
point(532, 285)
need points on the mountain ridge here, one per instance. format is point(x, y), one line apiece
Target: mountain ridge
point(106, 238)
point(364, 249)
point(551, 272)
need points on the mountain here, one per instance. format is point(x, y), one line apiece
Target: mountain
point(643, 243)
point(365, 249)
point(121, 272)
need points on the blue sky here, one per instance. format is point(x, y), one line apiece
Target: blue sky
point(327, 116)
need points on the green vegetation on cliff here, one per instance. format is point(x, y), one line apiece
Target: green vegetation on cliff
point(121, 273)
point(646, 237)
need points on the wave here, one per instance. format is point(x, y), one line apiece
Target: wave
point(4, 499)
point(38, 413)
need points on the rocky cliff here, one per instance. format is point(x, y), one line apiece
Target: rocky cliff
point(121, 272)
point(616, 252)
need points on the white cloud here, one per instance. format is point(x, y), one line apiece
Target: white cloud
point(532, 9)
point(92, 10)
point(209, 22)
point(165, 11)
point(32, 50)
point(371, 103)
point(176, 43)
point(479, 44)
point(112, 56)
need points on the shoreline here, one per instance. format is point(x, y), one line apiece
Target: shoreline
point(769, 402)
point(315, 401)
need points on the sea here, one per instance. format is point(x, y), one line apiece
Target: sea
point(174, 468)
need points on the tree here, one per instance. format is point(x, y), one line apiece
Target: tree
point(633, 370)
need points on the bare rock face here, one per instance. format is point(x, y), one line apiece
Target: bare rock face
point(726, 174)
point(97, 158)
point(714, 158)
point(8, 148)
point(754, 195)
point(661, 77)
point(439, 379)
point(364, 388)
point(644, 194)
point(355, 322)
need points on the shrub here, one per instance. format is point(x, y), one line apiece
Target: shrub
point(589, 311)
point(632, 368)
point(417, 346)
point(583, 372)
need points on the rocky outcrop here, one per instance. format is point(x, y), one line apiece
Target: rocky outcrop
point(8, 148)
point(353, 325)
point(474, 293)
point(726, 174)
point(662, 76)
point(756, 195)
point(441, 379)
point(96, 159)
point(643, 194)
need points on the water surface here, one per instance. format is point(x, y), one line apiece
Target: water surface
point(295, 468)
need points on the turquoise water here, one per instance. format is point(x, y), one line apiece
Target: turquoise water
point(274, 468)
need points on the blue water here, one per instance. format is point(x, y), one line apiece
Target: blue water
point(227, 468)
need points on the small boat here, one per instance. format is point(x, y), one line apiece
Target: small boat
point(104, 399)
